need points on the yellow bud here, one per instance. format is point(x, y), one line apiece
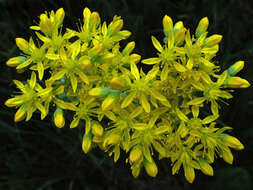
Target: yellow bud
point(232, 142)
point(237, 82)
point(180, 35)
point(20, 114)
point(15, 61)
point(116, 83)
point(189, 173)
point(151, 168)
point(135, 170)
point(45, 24)
point(135, 58)
point(97, 49)
point(86, 144)
point(86, 64)
point(213, 40)
point(95, 19)
point(205, 167)
point(97, 129)
point(59, 15)
point(129, 48)
point(116, 26)
point(59, 120)
point(99, 91)
point(167, 25)
point(22, 44)
point(202, 26)
point(97, 139)
point(108, 101)
point(236, 68)
point(112, 139)
point(86, 13)
point(227, 156)
point(13, 102)
point(135, 155)
point(179, 25)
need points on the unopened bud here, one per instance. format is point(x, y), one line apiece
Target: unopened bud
point(236, 68)
point(116, 26)
point(232, 142)
point(213, 40)
point(95, 19)
point(167, 25)
point(151, 168)
point(15, 61)
point(116, 83)
point(236, 82)
point(205, 167)
point(112, 139)
point(97, 129)
point(97, 49)
point(20, 114)
point(108, 101)
point(86, 64)
point(22, 44)
point(135, 155)
point(99, 91)
point(59, 120)
point(86, 144)
point(179, 25)
point(202, 27)
point(228, 156)
point(180, 36)
point(59, 15)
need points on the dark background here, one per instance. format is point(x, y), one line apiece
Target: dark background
point(35, 155)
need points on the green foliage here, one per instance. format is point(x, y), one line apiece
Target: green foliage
point(120, 107)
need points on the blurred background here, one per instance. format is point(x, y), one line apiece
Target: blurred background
point(35, 155)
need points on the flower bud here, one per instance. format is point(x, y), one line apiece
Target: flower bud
point(205, 167)
point(227, 156)
point(167, 25)
point(189, 173)
point(59, 15)
point(116, 83)
point(179, 25)
point(97, 49)
point(129, 48)
point(135, 58)
point(180, 35)
point(97, 129)
point(12, 102)
point(108, 101)
point(45, 24)
point(112, 139)
point(202, 27)
point(95, 19)
point(86, 144)
point(15, 61)
point(235, 68)
point(135, 155)
point(151, 168)
point(22, 44)
point(20, 114)
point(86, 64)
point(116, 26)
point(232, 142)
point(99, 91)
point(237, 82)
point(59, 120)
point(213, 40)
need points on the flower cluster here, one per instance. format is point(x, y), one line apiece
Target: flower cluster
point(88, 74)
